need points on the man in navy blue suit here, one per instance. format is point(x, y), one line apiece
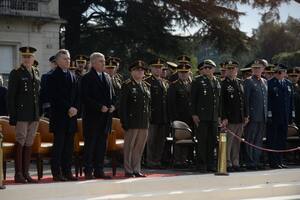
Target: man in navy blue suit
point(44, 90)
point(64, 100)
point(98, 100)
point(280, 114)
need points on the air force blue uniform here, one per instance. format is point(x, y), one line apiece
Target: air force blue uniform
point(256, 101)
point(280, 114)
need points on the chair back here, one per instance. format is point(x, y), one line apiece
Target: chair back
point(43, 129)
point(181, 131)
point(8, 131)
point(117, 127)
point(292, 131)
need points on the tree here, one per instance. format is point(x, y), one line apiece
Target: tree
point(138, 28)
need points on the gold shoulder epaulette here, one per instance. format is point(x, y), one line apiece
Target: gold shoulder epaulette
point(146, 83)
point(127, 81)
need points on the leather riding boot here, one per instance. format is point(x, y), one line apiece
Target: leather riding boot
point(26, 164)
point(19, 178)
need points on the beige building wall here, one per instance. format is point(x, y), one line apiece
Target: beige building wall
point(38, 28)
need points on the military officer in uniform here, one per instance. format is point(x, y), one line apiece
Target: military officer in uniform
point(110, 68)
point(159, 116)
point(280, 114)
point(173, 75)
point(23, 107)
point(246, 71)
point(233, 112)
point(293, 76)
point(179, 106)
point(223, 70)
point(269, 72)
point(134, 116)
point(206, 92)
point(256, 100)
point(80, 64)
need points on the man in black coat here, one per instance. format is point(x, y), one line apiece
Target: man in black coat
point(44, 91)
point(63, 95)
point(98, 105)
point(3, 98)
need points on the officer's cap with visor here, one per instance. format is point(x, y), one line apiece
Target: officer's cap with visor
point(207, 64)
point(259, 63)
point(280, 68)
point(139, 64)
point(230, 64)
point(184, 67)
point(293, 71)
point(183, 59)
point(27, 51)
point(110, 63)
point(158, 62)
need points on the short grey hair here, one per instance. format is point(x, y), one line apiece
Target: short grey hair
point(95, 55)
point(61, 52)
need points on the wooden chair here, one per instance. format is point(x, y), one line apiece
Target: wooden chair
point(78, 148)
point(9, 140)
point(115, 144)
point(42, 151)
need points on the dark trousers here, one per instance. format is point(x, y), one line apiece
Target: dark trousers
point(95, 141)
point(62, 152)
point(155, 143)
point(276, 139)
point(206, 134)
point(254, 133)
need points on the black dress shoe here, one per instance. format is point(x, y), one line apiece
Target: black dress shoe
point(212, 170)
point(230, 169)
point(238, 169)
point(70, 177)
point(275, 167)
point(129, 175)
point(139, 174)
point(89, 176)
point(101, 175)
point(283, 166)
point(59, 178)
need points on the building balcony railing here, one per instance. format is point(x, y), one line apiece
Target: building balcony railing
point(27, 8)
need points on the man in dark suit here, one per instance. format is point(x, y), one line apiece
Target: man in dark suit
point(63, 95)
point(280, 114)
point(98, 105)
point(44, 91)
point(206, 92)
point(256, 100)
